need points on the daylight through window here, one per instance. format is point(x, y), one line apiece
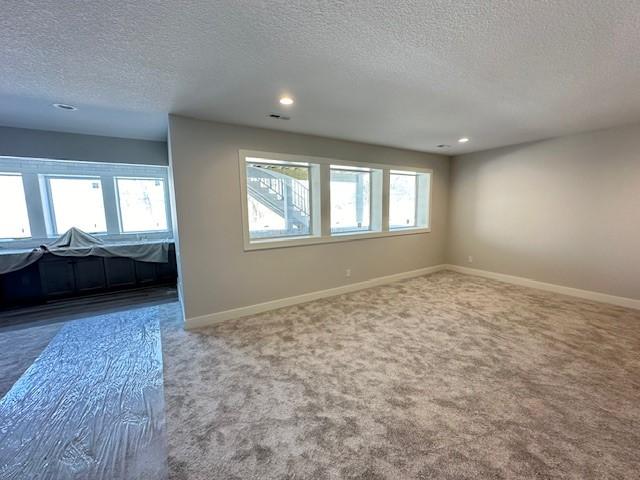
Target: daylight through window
point(14, 219)
point(41, 199)
point(403, 188)
point(142, 204)
point(290, 200)
point(77, 202)
point(278, 199)
point(350, 199)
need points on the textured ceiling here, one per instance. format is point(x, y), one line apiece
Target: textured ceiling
point(412, 74)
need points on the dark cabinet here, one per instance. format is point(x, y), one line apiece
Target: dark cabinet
point(67, 275)
point(57, 276)
point(120, 272)
point(54, 277)
point(89, 274)
point(166, 271)
point(145, 272)
point(23, 286)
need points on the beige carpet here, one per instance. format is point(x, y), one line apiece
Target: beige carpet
point(439, 377)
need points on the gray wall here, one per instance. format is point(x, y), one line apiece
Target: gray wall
point(563, 211)
point(22, 142)
point(218, 275)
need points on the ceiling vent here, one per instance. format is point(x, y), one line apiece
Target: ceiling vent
point(278, 116)
point(64, 106)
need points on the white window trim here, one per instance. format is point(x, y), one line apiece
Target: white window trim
point(375, 211)
point(24, 194)
point(35, 172)
point(119, 211)
point(323, 233)
point(416, 200)
point(52, 227)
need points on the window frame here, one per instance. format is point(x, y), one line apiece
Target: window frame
point(24, 199)
point(53, 227)
point(34, 172)
point(321, 233)
point(356, 169)
point(119, 207)
point(313, 201)
point(416, 202)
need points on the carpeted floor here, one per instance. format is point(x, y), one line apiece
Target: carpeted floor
point(440, 377)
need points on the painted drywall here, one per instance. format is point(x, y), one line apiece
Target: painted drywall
point(563, 211)
point(22, 142)
point(218, 275)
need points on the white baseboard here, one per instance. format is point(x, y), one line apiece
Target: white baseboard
point(213, 318)
point(550, 287)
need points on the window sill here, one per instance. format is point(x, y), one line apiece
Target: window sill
point(335, 238)
point(28, 244)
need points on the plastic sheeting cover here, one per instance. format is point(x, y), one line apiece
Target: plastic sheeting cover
point(76, 243)
point(91, 406)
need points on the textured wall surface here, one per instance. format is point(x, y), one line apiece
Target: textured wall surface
point(563, 211)
point(217, 274)
point(406, 73)
point(21, 142)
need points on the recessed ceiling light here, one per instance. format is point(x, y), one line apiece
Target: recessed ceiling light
point(64, 106)
point(463, 140)
point(286, 101)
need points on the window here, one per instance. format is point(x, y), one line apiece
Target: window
point(41, 199)
point(402, 199)
point(278, 198)
point(290, 200)
point(14, 219)
point(77, 202)
point(142, 204)
point(408, 199)
point(350, 199)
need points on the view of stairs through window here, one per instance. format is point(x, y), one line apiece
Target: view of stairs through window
point(278, 200)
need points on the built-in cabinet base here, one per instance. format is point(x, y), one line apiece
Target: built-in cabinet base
point(54, 277)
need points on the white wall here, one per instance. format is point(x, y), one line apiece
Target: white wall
point(217, 274)
point(563, 211)
point(22, 142)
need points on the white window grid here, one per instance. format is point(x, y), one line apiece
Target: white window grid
point(35, 173)
point(321, 232)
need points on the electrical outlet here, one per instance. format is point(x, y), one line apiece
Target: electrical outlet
point(347, 272)
point(470, 259)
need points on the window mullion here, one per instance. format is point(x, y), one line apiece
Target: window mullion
point(325, 199)
point(35, 209)
point(416, 214)
point(347, 217)
point(386, 179)
point(47, 205)
point(110, 202)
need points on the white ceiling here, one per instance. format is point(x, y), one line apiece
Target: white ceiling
point(411, 74)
